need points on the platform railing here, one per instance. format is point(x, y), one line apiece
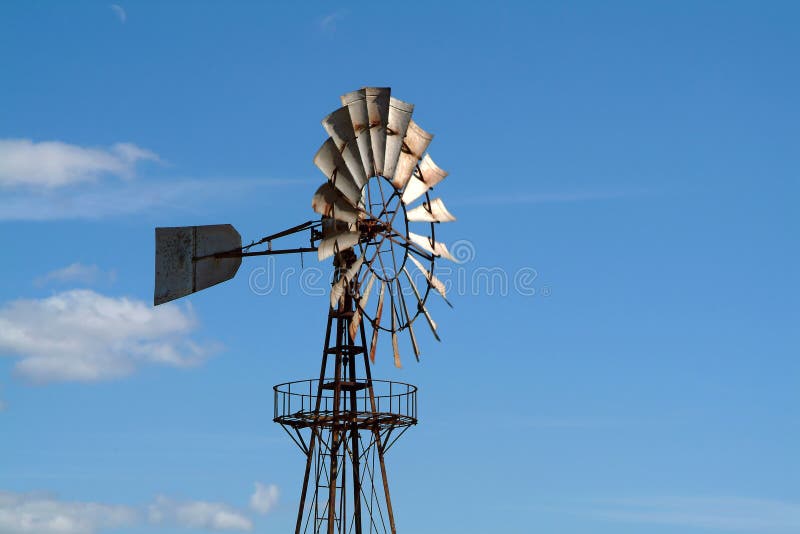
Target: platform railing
point(299, 398)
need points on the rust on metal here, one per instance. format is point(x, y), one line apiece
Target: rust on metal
point(427, 175)
point(356, 103)
point(396, 128)
point(414, 146)
point(433, 211)
point(377, 99)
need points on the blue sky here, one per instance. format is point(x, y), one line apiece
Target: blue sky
point(637, 162)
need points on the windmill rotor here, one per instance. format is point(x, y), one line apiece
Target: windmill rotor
point(378, 169)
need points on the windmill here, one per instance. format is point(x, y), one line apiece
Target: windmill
point(379, 181)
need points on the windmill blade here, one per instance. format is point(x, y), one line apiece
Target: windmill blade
point(378, 110)
point(428, 175)
point(376, 323)
point(432, 280)
point(337, 292)
point(435, 211)
point(356, 103)
point(330, 202)
point(352, 271)
point(344, 279)
point(403, 306)
point(421, 305)
point(414, 146)
point(362, 303)
point(336, 242)
point(413, 338)
point(395, 347)
point(330, 162)
point(399, 118)
point(340, 128)
point(436, 248)
point(178, 273)
point(340, 286)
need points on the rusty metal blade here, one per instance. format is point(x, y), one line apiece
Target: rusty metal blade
point(428, 175)
point(336, 242)
point(432, 280)
point(376, 323)
point(340, 286)
point(356, 103)
point(421, 305)
point(330, 202)
point(414, 146)
point(395, 347)
point(378, 110)
point(178, 274)
point(362, 303)
point(435, 211)
point(404, 307)
point(413, 338)
point(330, 162)
point(337, 292)
point(436, 248)
point(340, 128)
point(352, 271)
point(399, 118)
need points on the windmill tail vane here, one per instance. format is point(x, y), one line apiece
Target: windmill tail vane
point(378, 224)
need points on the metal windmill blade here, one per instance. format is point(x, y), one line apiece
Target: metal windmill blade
point(396, 128)
point(378, 111)
point(356, 104)
point(415, 144)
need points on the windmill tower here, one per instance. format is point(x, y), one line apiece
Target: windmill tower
point(344, 421)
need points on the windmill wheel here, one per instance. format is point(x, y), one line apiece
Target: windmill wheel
point(377, 168)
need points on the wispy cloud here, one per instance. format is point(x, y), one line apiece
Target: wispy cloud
point(198, 514)
point(564, 422)
point(28, 513)
point(328, 22)
point(120, 199)
point(77, 273)
point(81, 335)
point(728, 514)
point(53, 164)
point(119, 12)
point(548, 197)
point(42, 513)
point(264, 498)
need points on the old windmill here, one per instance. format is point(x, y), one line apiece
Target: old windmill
point(345, 421)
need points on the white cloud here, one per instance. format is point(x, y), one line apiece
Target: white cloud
point(198, 514)
point(43, 514)
point(77, 272)
point(119, 12)
point(81, 335)
point(120, 199)
point(549, 198)
point(328, 22)
point(264, 498)
point(722, 513)
point(52, 164)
